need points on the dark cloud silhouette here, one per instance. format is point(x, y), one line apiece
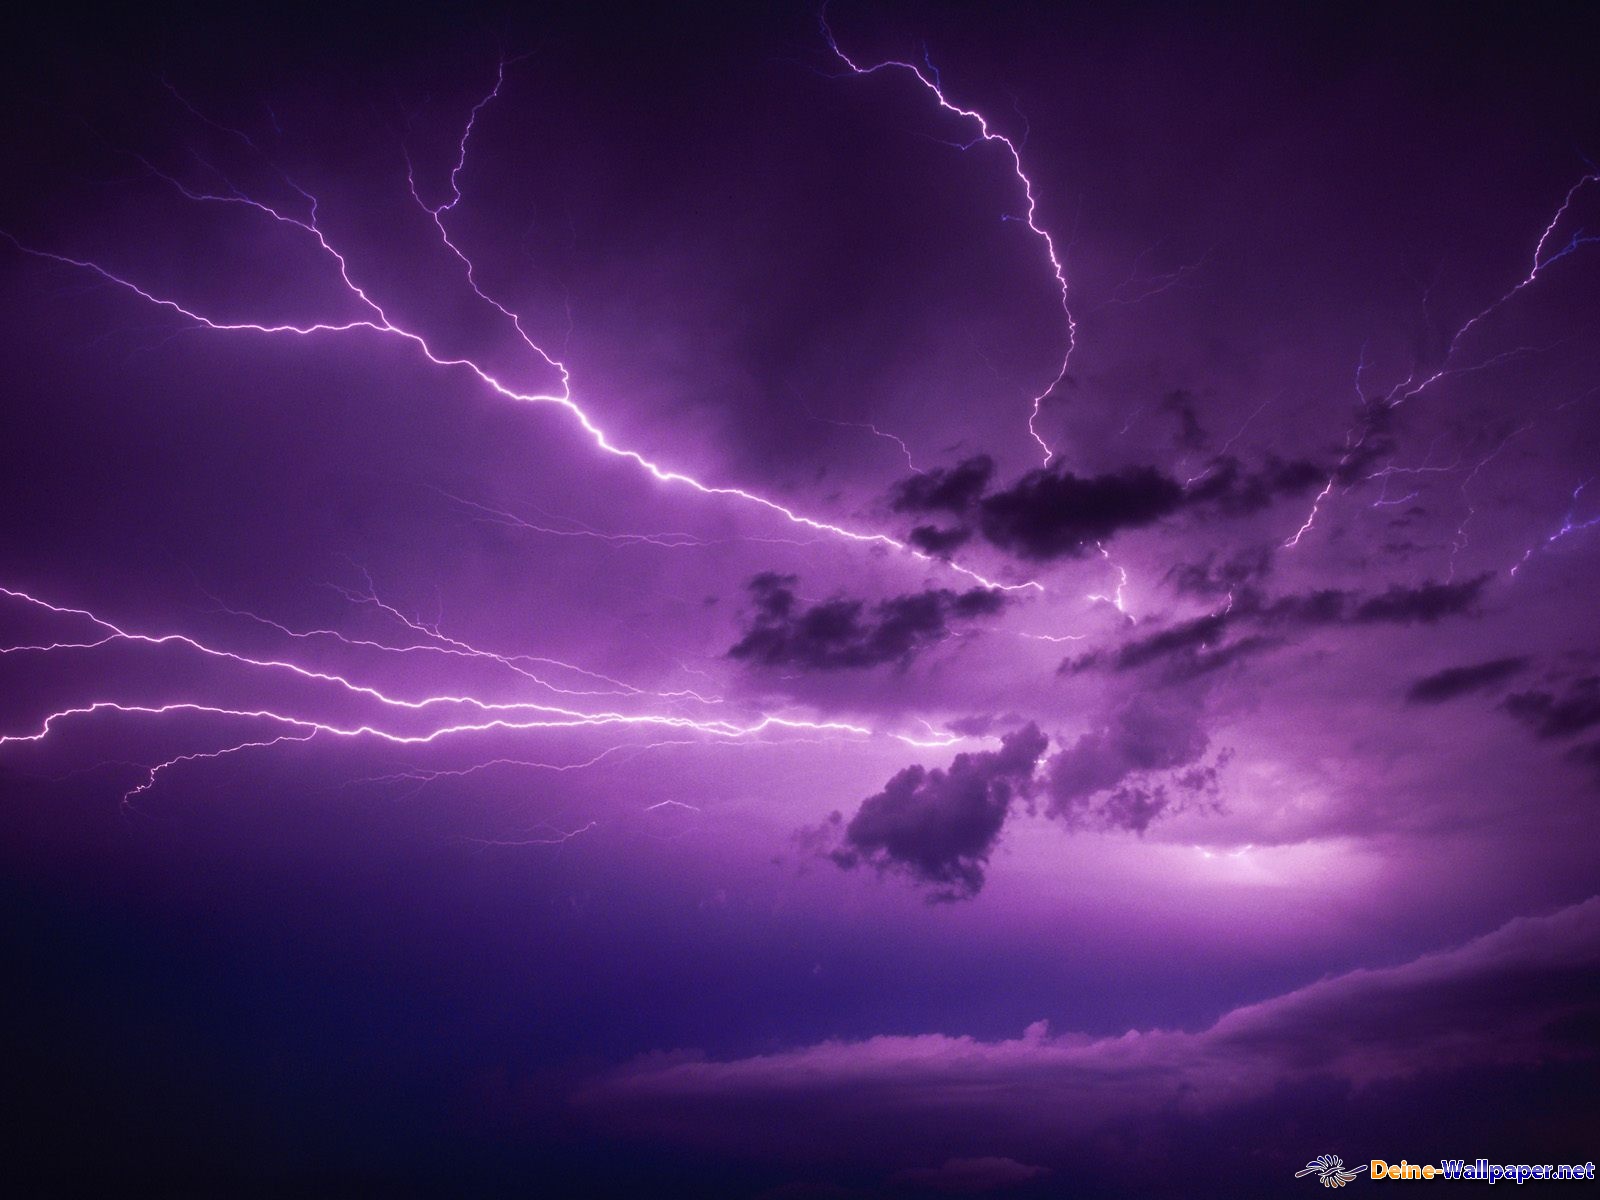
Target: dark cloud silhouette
point(1213, 578)
point(1200, 645)
point(1373, 442)
point(843, 634)
point(1324, 607)
point(1425, 604)
point(1237, 493)
point(940, 825)
point(1550, 716)
point(947, 489)
point(1052, 513)
point(1203, 631)
point(1104, 779)
point(1459, 681)
point(940, 543)
point(981, 724)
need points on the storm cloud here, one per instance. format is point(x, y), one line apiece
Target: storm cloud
point(1459, 681)
point(1199, 645)
point(845, 634)
point(1106, 778)
point(1552, 716)
point(948, 489)
point(1050, 514)
point(939, 826)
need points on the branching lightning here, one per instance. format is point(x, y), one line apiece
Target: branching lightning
point(1544, 257)
point(928, 77)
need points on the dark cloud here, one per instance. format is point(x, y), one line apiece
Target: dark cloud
point(1200, 645)
point(1196, 663)
point(1550, 716)
point(939, 826)
point(1324, 607)
point(1458, 681)
point(947, 489)
point(1134, 806)
point(1052, 513)
point(1373, 442)
point(1425, 604)
point(940, 543)
point(1105, 778)
point(1203, 631)
point(1214, 578)
point(982, 724)
point(843, 634)
point(1237, 493)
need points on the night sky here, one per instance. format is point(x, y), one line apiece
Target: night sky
point(917, 600)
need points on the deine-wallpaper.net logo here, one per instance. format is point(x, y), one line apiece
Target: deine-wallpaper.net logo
point(1331, 1171)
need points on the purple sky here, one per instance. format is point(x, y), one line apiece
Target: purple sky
point(959, 600)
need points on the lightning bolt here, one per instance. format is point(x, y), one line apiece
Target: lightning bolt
point(928, 77)
point(376, 321)
point(396, 720)
point(1570, 525)
point(1544, 257)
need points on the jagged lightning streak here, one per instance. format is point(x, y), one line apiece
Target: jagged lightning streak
point(377, 321)
point(1115, 599)
point(667, 540)
point(928, 77)
point(371, 318)
point(514, 716)
point(1459, 542)
point(1570, 525)
point(555, 837)
point(876, 432)
point(1541, 262)
point(433, 641)
point(1411, 386)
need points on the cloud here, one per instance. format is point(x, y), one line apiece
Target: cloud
point(1552, 717)
point(941, 543)
point(1200, 645)
point(1237, 493)
point(842, 634)
point(947, 489)
point(1535, 983)
point(981, 724)
point(1426, 604)
point(1203, 631)
point(1459, 681)
point(1213, 578)
point(1373, 443)
point(1052, 513)
point(939, 826)
point(1117, 759)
